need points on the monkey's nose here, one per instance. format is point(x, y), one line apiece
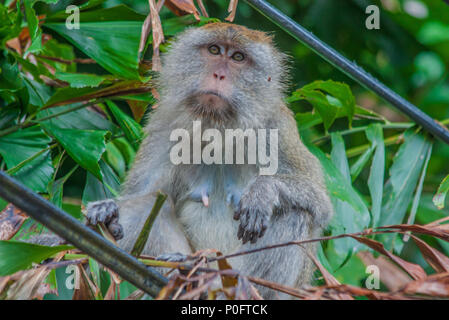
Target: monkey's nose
point(219, 75)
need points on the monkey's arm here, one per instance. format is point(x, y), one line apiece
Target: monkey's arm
point(128, 214)
point(298, 186)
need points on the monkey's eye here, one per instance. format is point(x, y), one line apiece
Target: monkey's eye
point(214, 49)
point(238, 56)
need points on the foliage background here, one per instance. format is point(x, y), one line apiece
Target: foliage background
point(72, 103)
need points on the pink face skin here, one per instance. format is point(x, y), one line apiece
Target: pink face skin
point(223, 62)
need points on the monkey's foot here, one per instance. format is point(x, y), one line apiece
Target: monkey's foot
point(254, 218)
point(173, 257)
point(106, 212)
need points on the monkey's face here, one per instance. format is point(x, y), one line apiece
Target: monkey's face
point(222, 71)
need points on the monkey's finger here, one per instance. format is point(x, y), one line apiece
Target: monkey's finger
point(246, 236)
point(237, 215)
point(116, 230)
point(240, 232)
point(254, 237)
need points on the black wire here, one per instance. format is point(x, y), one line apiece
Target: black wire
point(90, 242)
point(349, 68)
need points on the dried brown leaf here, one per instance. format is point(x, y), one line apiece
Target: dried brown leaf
point(138, 108)
point(328, 278)
point(158, 35)
point(119, 89)
point(182, 7)
point(416, 271)
point(434, 229)
point(202, 8)
point(232, 9)
point(86, 289)
point(11, 219)
point(437, 260)
point(391, 275)
point(435, 286)
point(29, 285)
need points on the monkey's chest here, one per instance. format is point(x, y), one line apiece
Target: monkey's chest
point(210, 227)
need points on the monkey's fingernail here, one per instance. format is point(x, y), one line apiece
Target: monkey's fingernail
point(240, 233)
point(246, 237)
point(205, 200)
point(254, 238)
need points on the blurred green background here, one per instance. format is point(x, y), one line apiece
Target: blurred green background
point(409, 53)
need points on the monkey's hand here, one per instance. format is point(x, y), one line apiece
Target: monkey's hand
point(106, 212)
point(254, 211)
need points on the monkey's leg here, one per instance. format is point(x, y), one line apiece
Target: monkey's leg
point(289, 266)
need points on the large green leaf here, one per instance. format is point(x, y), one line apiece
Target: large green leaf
point(80, 80)
point(96, 190)
point(22, 146)
point(112, 36)
point(329, 98)
point(404, 175)
point(340, 188)
point(84, 146)
point(114, 45)
point(83, 119)
point(374, 134)
point(133, 130)
point(16, 255)
point(338, 90)
point(346, 219)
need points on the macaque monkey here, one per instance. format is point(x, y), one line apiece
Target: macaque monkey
point(227, 77)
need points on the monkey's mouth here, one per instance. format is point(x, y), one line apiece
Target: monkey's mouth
point(211, 105)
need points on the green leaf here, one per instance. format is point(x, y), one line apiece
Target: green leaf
point(96, 190)
point(37, 173)
point(404, 174)
point(338, 101)
point(346, 218)
point(319, 101)
point(114, 45)
point(33, 27)
point(361, 162)
point(38, 93)
point(82, 119)
point(16, 255)
point(80, 80)
point(84, 146)
point(339, 91)
point(53, 48)
point(22, 145)
point(440, 196)
point(115, 159)
point(10, 23)
point(55, 188)
point(340, 188)
point(374, 133)
point(10, 78)
point(133, 130)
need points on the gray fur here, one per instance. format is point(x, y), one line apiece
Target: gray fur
point(246, 210)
